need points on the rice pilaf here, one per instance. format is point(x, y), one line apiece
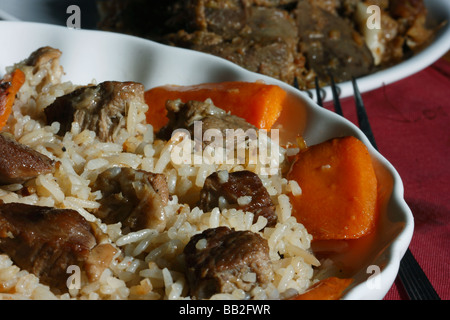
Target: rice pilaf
point(148, 264)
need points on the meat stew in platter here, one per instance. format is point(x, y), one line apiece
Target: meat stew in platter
point(292, 40)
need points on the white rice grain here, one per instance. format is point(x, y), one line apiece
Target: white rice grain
point(46, 186)
point(97, 164)
point(294, 188)
point(133, 237)
point(244, 200)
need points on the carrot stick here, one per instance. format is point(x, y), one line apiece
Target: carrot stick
point(9, 87)
point(339, 189)
point(327, 289)
point(258, 103)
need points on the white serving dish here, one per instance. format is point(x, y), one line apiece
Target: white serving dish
point(89, 55)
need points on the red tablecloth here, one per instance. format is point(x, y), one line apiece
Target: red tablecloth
point(411, 123)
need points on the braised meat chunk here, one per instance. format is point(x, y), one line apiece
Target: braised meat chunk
point(101, 108)
point(136, 198)
point(19, 163)
point(43, 56)
point(45, 62)
point(241, 189)
point(220, 260)
point(261, 39)
point(330, 44)
point(46, 241)
point(185, 115)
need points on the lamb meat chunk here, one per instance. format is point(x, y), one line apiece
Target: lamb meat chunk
point(45, 61)
point(226, 18)
point(331, 45)
point(260, 39)
point(98, 260)
point(43, 56)
point(19, 163)
point(231, 18)
point(241, 189)
point(136, 198)
point(46, 241)
point(220, 260)
point(271, 24)
point(101, 108)
point(277, 59)
point(186, 115)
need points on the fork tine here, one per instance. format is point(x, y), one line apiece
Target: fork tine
point(414, 280)
point(363, 120)
point(295, 84)
point(337, 102)
point(318, 93)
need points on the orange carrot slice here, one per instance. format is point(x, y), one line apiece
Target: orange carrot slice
point(9, 87)
point(258, 103)
point(339, 189)
point(331, 288)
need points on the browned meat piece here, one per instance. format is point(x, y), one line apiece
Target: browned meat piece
point(330, 44)
point(241, 189)
point(19, 163)
point(184, 115)
point(42, 56)
point(270, 24)
point(220, 260)
point(45, 61)
point(231, 18)
point(136, 198)
point(101, 108)
point(276, 59)
point(259, 39)
point(98, 260)
point(226, 17)
point(46, 241)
